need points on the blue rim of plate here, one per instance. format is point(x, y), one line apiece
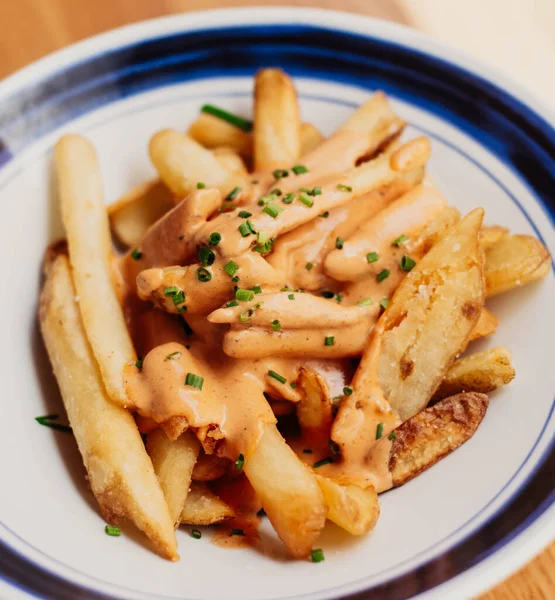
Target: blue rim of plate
point(504, 125)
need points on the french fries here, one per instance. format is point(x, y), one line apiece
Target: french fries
point(212, 132)
point(434, 433)
point(203, 507)
point(311, 138)
point(173, 463)
point(90, 250)
point(289, 492)
point(480, 372)
point(209, 467)
point(118, 467)
point(486, 325)
point(314, 408)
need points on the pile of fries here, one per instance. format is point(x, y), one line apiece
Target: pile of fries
point(283, 335)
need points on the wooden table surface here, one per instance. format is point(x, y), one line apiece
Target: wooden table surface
point(33, 28)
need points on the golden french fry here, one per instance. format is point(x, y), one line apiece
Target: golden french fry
point(288, 491)
point(434, 433)
point(314, 407)
point(486, 325)
point(213, 132)
point(230, 160)
point(480, 372)
point(490, 234)
point(90, 251)
point(119, 469)
point(203, 507)
point(136, 211)
point(513, 261)
point(311, 138)
point(183, 163)
point(209, 467)
point(276, 134)
point(173, 463)
point(355, 510)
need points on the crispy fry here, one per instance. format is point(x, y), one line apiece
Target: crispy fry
point(118, 467)
point(349, 506)
point(209, 467)
point(314, 407)
point(136, 211)
point(490, 234)
point(230, 160)
point(434, 433)
point(480, 372)
point(515, 260)
point(311, 138)
point(90, 250)
point(276, 135)
point(182, 163)
point(173, 463)
point(486, 325)
point(203, 507)
point(289, 492)
point(213, 132)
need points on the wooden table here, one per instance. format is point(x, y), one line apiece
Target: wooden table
point(49, 25)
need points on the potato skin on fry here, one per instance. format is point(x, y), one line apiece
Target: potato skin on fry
point(434, 433)
point(203, 507)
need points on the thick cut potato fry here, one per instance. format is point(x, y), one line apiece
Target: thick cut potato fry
point(119, 470)
point(480, 372)
point(230, 160)
point(355, 510)
point(515, 260)
point(288, 491)
point(182, 163)
point(136, 211)
point(209, 467)
point(173, 463)
point(314, 407)
point(277, 122)
point(434, 433)
point(486, 325)
point(90, 250)
point(213, 132)
point(311, 138)
point(203, 507)
point(490, 234)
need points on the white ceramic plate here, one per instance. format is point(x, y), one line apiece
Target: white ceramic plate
point(450, 533)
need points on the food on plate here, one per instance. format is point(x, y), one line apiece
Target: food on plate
point(286, 326)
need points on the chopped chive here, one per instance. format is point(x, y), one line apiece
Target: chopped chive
point(276, 192)
point(277, 376)
point(139, 363)
point(329, 340)
point(305, 190)
point(244, 229)
point(206, 256)
point(325, 461)
point(407, 263)
point(136, 254)
point(306, 199)
point(195, 533)
point(384, 303)
point(203, 274)
point(256, 289)
point(235, 280)
point(338, 298)
point(317, 191)
point(308, 266)
point(272, 209)
point(231, 303)
point(293, 385)
point(328, 294)
point(339, 243)
point(171, 291)
point(383, 274)
point(181, 309)
point(379, 431)
point(291, 296)
point(244, 214)
point(344, 188)
point(263, 200)
point(246, 315)
point(280, 173)
point(372, 257)
point(225, 208)
point(288, 198)
point(178, 298)
point(240, 462)
point(215, 238)
point(262, 237)
point(173, 356)
point(231, 268)
point(347, 390)
point(365, 302)
point(276, 325)
point(244, 295)
point(259, 305)
point(224, 115)
point(392, 436)
point(299, 169)
point(200, 185)
point(254, 181)
point(325, 215)
point(307, 451)
point(317, 555)
point(265, 247)
point(47, 422)
point(112, 530)
point(195, 381)
point(237, 532)
point(334, 447)
point(400, 240)
point(233, 194)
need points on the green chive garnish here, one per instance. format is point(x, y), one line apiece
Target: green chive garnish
point(334, 447)
point(46, 420)
point(139, 363)
point(293, 385)
point(384, 303)
point(317, 191)
point(173, 356)
point(256, 289)
point(171, 291)
point(230, 118)
point(392, 436)
point(225, 208)
point(203, 274)
point(215, 238)
point(325, 461)
point(344, 188)
point(400, 240)
point(272, 209)
point(280, 173)
point(328, 294)
point(276, 325)
point(317, 556)
point(288, 198)
point(239, 462)
point(277, 376)
point(246, 315)
point(329, 340)
point(306, 199)
point(136, 254)
point(244, 295)
point(113, 531)
point(308, 266)
point(195, 533)
point(299, 169)
point(325, 215)
point(379, 431)
point(407, 263)
point(200, 185)
point(231, 303)
point(347, 390)
point(178, 298)
point(205, 256)
point(372, 257)
point(365, 302)
point(231, 268)
point(383, 274)
point(339, 298)
point(245, 214)
point(276, 192)
point(291, 296)
point(244, 229)
point(195, 381)
point(339, 243)
point(233, 194)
